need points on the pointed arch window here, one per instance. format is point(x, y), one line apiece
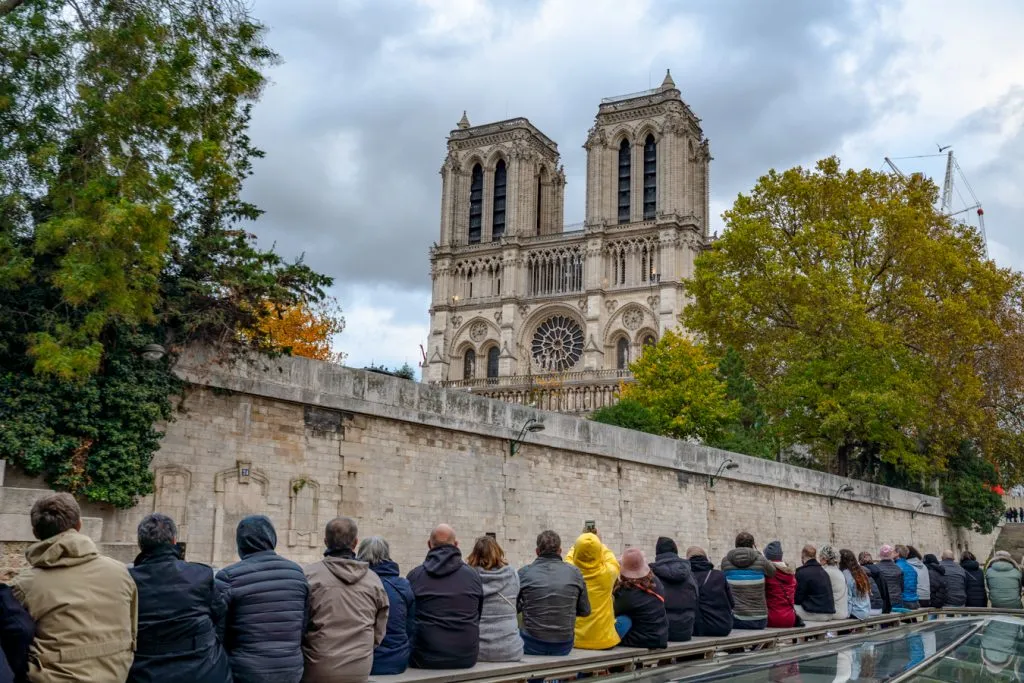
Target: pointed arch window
point(498, 215)
point(622, 354)
point(476, 204)
point(650, 340)
point(650, 177)
point(469, 365)
point(493, 354)
point(625, 168)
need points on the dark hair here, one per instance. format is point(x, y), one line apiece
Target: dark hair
point(865, 557)
point(341, 534)
point(860, 577)
point(156, 530)
point(967, 555)
point(54, 514)
point(913, 553)
point(548, 543)
point(744, 540)
point(487, 554)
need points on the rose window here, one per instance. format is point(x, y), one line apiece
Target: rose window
point(557, 344)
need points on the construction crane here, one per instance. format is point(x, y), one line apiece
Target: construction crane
point(946, 207)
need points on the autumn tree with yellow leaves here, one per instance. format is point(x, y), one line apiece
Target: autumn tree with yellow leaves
point(303, 329)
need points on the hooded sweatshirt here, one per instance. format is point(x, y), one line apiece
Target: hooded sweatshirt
point(348, 617)
point(779, 594)
point(265, 597)
point(924, 583)
point(86, 610)
point(600, 569)
point(499, 629)
point(746, 569)
point(1002, 576)
point(680, 591)
point(449, 599)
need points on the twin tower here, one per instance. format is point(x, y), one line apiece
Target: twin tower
point(531, 311)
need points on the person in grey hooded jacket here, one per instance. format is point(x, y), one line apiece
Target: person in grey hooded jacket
point(924, 582)
point(265, 596)
point(552, 593)
point(499, 629)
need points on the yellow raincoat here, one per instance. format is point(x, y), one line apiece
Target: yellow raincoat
point(600, 569)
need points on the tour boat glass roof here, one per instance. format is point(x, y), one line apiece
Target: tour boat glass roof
point(963, 649)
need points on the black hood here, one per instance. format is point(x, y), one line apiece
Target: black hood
point(970, 565)
point(671, 568)
point(699, 563)
point(932, 562)
point(255, 534)
point(443, 561)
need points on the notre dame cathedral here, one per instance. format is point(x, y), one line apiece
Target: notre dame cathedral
point(529, 310)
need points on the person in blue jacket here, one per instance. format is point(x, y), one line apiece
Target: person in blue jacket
point(16, 632)
point(910, 600)
point(392, 655)
point(266, 607)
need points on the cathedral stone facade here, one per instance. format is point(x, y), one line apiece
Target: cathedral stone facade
point(529, 310)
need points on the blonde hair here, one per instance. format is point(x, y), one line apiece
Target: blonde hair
point(487, 554)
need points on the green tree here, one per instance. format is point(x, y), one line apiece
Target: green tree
point(865, 316)
point(750, 433)
point(967, 491)
point(631, 414)
point(677, 381)
point(123, 149)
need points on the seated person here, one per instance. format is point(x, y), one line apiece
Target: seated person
point(640, 616)
point(814, 600)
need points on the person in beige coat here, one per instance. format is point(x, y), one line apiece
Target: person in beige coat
point(85, 605)
point(348, 611)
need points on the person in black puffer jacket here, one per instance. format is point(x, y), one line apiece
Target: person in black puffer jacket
point(449, 599)
point(179, 612)
point(937, 579)
point(265, 595)
point(714, 615)
point(976, 593)
point(680, 589)
point(640, 618)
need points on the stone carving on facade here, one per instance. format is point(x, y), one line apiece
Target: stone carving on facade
point(595, 138)
point(652, 300)
point(611, 305)
point(557, 344)
point(497, 317)
point(478, 331)
point(633, 318)
point(523, 309)
point(170, 493)
point(456, 320)
point(303, 513)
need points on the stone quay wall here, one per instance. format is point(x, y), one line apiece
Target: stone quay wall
point(303, 441)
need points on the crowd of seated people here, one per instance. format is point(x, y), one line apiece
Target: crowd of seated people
point(75, 615)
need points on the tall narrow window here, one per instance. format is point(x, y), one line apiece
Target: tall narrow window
point(469, 365)
point(492, 362)
point(650, 177)
point(476, 204)
point(622, 354)
point(625, 164)
point(500, 180)
point(540, 197)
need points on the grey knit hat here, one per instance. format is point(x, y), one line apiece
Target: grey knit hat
point(773, 551)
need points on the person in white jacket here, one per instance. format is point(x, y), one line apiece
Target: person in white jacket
point(829, 559)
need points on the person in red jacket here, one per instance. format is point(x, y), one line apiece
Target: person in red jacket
point(780, 590)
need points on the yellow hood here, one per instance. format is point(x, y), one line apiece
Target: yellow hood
point(600, 569)
point(66, 549)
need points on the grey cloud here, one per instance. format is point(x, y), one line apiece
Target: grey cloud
point(771, 93)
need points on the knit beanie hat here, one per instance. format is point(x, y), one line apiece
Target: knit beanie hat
point(773, 551)
point(634, 564)
point(665, 545)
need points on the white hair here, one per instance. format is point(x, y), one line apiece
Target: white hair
point(374, 550)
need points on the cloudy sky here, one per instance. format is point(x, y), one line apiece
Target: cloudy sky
point(355, 120)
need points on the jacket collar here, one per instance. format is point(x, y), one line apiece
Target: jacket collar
point(163, 553)
point(345, 553)
point(549, 557)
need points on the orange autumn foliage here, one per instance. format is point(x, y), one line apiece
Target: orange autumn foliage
point(303, 329)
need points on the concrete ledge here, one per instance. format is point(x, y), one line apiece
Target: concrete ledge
point(305, 381)
point(19, 527)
